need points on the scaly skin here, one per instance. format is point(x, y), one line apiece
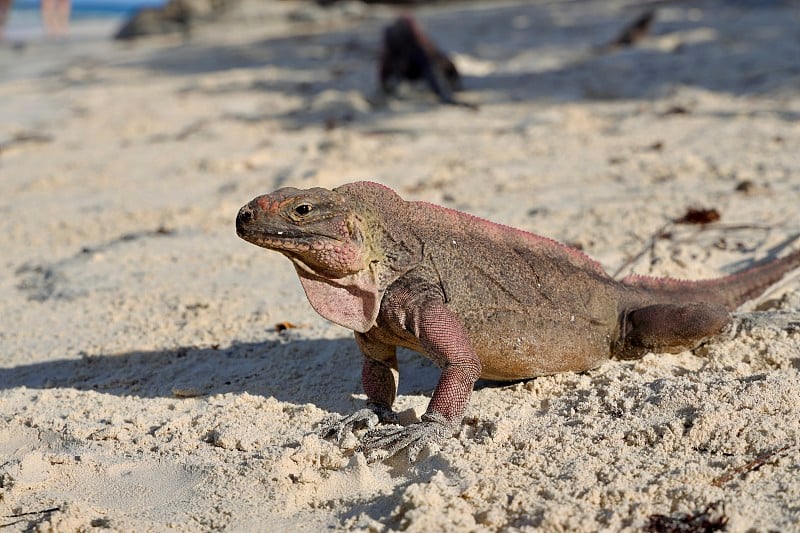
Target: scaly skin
point(479, 299)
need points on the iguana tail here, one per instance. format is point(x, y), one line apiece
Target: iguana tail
point(730, 291)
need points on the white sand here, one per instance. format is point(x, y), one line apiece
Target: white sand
point(143, 385)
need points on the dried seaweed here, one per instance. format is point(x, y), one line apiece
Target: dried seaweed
point(708, 520)
point(697, 215)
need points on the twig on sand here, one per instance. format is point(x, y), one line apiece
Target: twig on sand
point(29, 513)
point(664, 233)
point(648, 247)
point(755, 464)
point(25, 137)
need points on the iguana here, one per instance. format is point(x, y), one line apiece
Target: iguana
point(408, 54)
point(480, 299)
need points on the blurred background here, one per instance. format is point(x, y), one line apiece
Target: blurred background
point(88, 17)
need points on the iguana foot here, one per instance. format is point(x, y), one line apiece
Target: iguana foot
point(368, 417)
point(385, 442)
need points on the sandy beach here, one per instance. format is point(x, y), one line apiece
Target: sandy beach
point(145, 384)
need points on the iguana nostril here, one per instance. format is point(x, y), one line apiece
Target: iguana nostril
point(245, 215)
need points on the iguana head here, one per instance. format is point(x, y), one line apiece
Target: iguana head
point(334, 240)
point(314, 227)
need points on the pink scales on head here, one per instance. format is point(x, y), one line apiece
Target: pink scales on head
point(271, 203)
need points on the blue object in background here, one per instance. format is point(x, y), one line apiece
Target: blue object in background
point(24, 21)
point(95, 6)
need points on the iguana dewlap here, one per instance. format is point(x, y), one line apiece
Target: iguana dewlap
point(479, 299)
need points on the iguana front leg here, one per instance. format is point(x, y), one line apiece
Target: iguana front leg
point(445, 340)
point(379, 378)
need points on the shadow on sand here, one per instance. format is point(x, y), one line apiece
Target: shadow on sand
point(323, 372)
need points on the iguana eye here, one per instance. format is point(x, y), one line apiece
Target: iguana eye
point(303, 209)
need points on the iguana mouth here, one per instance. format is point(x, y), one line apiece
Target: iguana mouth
point(289, 240)
point(283, 240)
point(250, 230)
point(259, 234)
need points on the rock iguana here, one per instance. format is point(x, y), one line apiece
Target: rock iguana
point(480, 299)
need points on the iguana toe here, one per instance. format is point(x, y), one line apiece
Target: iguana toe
point(385, 442)
point(337, 428)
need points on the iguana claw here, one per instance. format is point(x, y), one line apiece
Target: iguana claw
point(384, 442)
point(368, 417)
